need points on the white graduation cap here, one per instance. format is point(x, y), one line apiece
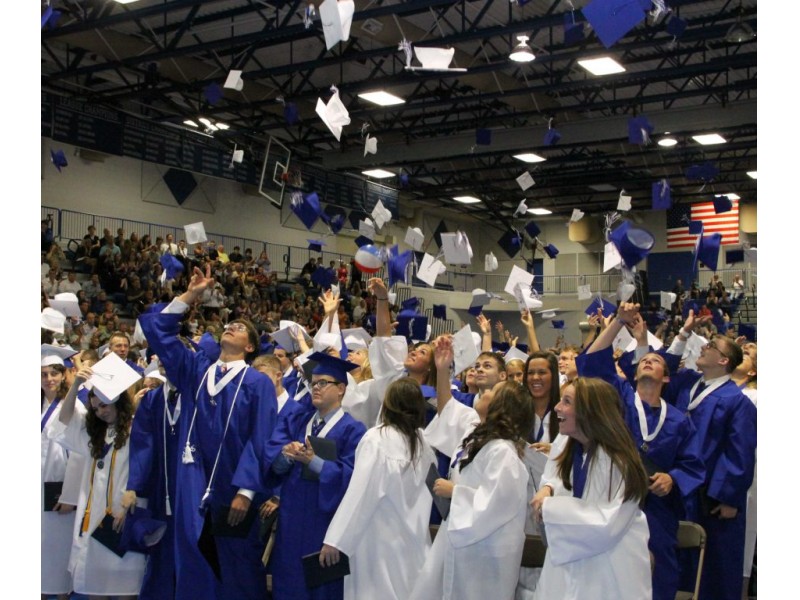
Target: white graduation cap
point(152, 371)
point(611, 257)
point(234, 81)
point(367, 228)
point(392, 297)
point(584, 292)
point(622, 340)
point(457, 250)
point(60, 352)
point(480, 297)
point(522, 209)
point(336, 17)
point(66, 303)
point(237, 156)
point(577, 215)
point(751, 255)
point(327, 339)
point(515, 353)
point(381, 215)
point(370, 145)
point(356, 338)
point(548, 313)
point(415, 238)
point(526, 298)
point(284, 338)
point(668, 299)
point(490, 262)
point(53, 320)
point(692, 350)
point(625, 290)
point(195, 233)
point(429, 269)
point(465, 352)
point(652, 341)
point(111, 376)
point(333, 114)
point(518, 276)
point(435, 59)
point(525, 181)
point(624, 201)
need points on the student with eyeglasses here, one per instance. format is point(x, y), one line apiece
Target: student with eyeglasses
point(725, 420)
point(312, 487)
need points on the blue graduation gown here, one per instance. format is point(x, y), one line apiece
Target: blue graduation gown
point(151, 434)
point(307, 507)
point(676, 450)
point(726, 424)
point(251, 422)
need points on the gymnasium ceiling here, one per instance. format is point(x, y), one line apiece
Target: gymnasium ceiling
point(153, 59)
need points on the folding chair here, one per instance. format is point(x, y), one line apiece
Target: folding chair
point(532, 553)
point(692, 535)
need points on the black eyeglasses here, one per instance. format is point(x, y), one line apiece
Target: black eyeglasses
point(712, 346)
point(322, 383)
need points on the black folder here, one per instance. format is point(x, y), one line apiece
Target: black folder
point(52, 492)
point(442, 504)
point(105, 534)
point(317, 575)
point(220, 527)
point(325, 449)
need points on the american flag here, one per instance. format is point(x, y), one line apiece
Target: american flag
point(678, 218)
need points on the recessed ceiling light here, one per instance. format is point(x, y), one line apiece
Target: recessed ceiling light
point(730, 196)
point(190, 123)
point(605, 65)
point(378, 173)
point(530, 157)
point(667, 142)
point(466, 199)
point(222, 125)
point(709, 138)
point(540, 211)
point(381, 98)
point(752, 174)
point(126, 1)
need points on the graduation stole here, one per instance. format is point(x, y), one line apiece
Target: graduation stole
point(49, 412)
point(648, 437)
point(172, 418)
point(701, 396)
point(580, 469)
point(335, 417)
point(109, 489)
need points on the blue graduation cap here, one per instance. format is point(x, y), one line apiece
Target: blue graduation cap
point(362, 240)
point(612, 19)
point(58, 159)
point(502, 347)
point(306, 207)
point(573, 29)
point(333, 217)
point(475, 310)
point(323, 277)
point(551, 250)
point(212, 93)
point(409, 305)
point(428, 391)
point(510, 242)
point(676, 26)
point(316, 245)
point(703, 172)
point(369, 322)
point(290, 113)
point(690, 305)
point(608, 307)
point(414, 327)
point(662, 195)
point(439, 311)
point(557, 324)
point(171, 265)
point(696, 227)
point(633, 243)
point(734, 256)
point(707, 251)
point(532, 228)
point(266, 347)
point(722, 204)
point(719, 320)
point(639, 130)
point(403, 179)
point(355, 217)
point(749, 330)
point(208, 346)
point(437, 234)
point(141, 532)
point(325, 364)
point(398, 263)
point(551, 137)
point(50, 17)
point(483, 137)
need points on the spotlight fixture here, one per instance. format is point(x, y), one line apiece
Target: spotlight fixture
point(740, 32)
point(522, 52)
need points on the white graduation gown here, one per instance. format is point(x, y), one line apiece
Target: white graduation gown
point(56, 527)
point(382, 521)
point(597, 546)
point(477, 552)
point(95, 569)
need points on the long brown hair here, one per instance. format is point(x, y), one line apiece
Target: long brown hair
point(404, 409)
point(96, 427)
point(552, 365)
point(598, 415)
point(64, 387)
point(509, 417)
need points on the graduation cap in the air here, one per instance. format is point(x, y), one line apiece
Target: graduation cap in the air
point(212, 93)
point(706, 171)
point(557, 323)
point(234, 80)
point(434, 59)
point(676, 26)
point(323, 277)
point(414, 326)
point(172, 266)
point(398, 263)
point(437, 234)
point(306, 207)
point(551, 137)
point(707, 251)
point(612, 19)
point(734, 256)
point(414, 238)
point(333, 217)
point(362, 240)
point(608, 307)
point(633, 243)
point(749, 330)
point(316, 245)
point(551, 250)
point(50, 17)
point(690, 305)
point(67, 303)
point(573, 29)
point(403, 179)
point(380, 214)
point(111, 376)
point(639, 130)
point(58, 158)
point(370, 145)
point(532, 229)
point(525, 181)
point(355, 217)
point(722, 204)
point(334, 114)
point(483, 137)
point(662, 195)
point(696, 227)
point(195, 233)
point(510, 242)
point(337, 18)
point(409, 305)
point(290, 113)
point(440, 311)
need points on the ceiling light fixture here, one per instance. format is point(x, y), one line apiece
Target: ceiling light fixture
point(381, 98)
point(378, 173)
point(740, 32)
point(522, 52)
point(708, 139)
point(540, 211)
point(604, 65)
point(530, 157)
point(466, 199)
point(668, 141)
